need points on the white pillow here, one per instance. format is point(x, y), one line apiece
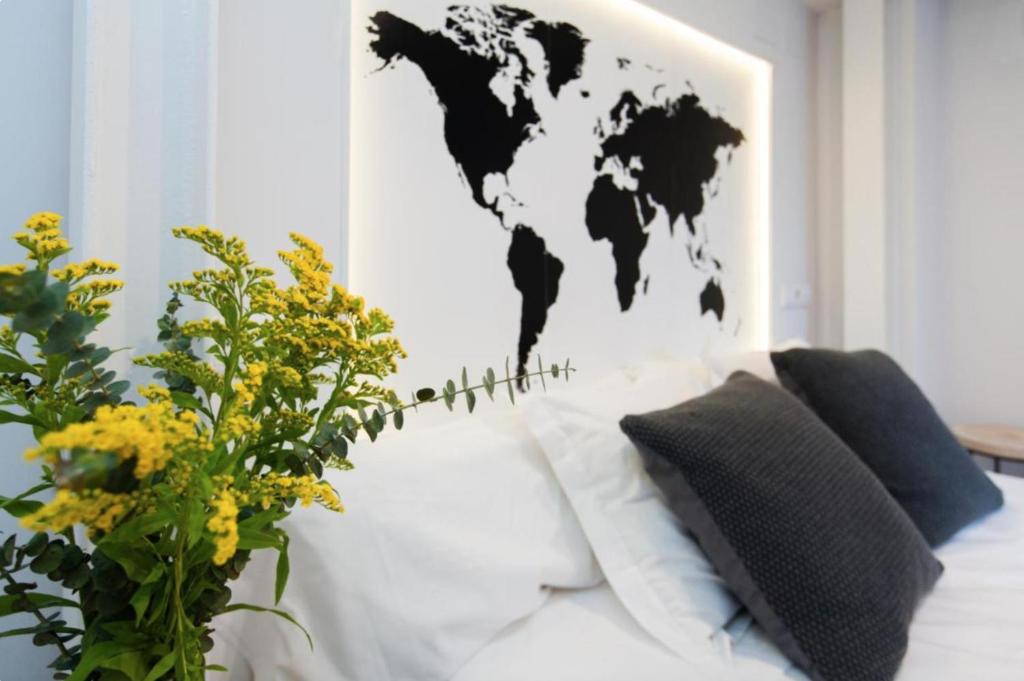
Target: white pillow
point(655, 567)
point(757, 362)
point(450, 534)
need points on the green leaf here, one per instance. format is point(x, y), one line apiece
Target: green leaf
point(251, 538)
point(161, 667)
point(137, 564)
point(8, 417)
point(132, 664)
point(196, 521)
point(118, 387)
point(508, 383)
point(8, 604)
point(7, 552)
point(425, 394)
point(140, 526)
point(49, 560)
point(140, 600)
point(215, 668)
point(36, 544)
point(15, 365)
point(280, 613)
point(378, 420)
point(62, 334)
point(488, 382)
point(398, 418)
point(20, 506)
point(95, 655)
point(283, 570)
point(40, 312)
point(540, 367)
point(554, 370)
point(470, 400)
point(29, 631)
point(465, 379)
point(77, 369)
point(186, 401)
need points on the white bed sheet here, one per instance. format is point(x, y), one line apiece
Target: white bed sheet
point(971, 628)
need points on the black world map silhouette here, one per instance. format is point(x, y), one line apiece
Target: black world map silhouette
point(666, 149)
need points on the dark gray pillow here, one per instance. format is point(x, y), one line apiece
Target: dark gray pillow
point(867, 400)
point(800, 530)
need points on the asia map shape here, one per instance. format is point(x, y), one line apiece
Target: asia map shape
point(654, 152)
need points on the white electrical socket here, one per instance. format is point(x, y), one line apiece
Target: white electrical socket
point(796, 296)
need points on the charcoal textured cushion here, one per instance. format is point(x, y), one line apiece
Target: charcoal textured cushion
point(869, 402)
point(800, 530)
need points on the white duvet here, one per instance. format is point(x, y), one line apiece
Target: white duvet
point(971, 628)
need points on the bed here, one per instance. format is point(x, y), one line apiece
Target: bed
point(464, 561)
point(971, 628)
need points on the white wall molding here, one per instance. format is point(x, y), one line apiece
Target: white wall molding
point(144, 94)
point(864, 175)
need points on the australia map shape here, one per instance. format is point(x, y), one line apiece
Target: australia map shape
point(656, 152)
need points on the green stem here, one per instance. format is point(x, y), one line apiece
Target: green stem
point(179, 580)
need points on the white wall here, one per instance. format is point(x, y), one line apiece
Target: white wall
point(35, 77)
point(975, 307)
point(953, 228)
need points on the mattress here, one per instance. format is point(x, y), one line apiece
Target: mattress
point(970, 628)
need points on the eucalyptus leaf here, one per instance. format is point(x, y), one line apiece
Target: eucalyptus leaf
point(425, 394)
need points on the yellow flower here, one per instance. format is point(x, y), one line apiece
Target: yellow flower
point(74, 272)
point(224, 525)
point(246, 388)
point(236, 427)
point(43, 221)
point(229, 250)
point(96, 509)
point(154, 393)
point(274, 487)
point(150, 435)
point(12, 269)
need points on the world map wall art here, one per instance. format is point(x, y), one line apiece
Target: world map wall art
point(556, 177)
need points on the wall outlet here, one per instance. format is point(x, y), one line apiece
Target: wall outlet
point(796, 296)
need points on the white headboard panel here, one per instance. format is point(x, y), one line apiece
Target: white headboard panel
point(556, 178)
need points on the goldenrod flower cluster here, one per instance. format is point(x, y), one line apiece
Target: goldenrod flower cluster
point(224, 526)
point(43, 240)
point(12, 269)
point(89, 295)
point(229, 250)
point(96, 509)
point(275, 487)
point(236, 426)
point(247, 388)
point(154, 393)
point(73, 273)
point(150, 435)
point(200, 373)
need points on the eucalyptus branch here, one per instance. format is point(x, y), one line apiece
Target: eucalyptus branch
point(373, 423)
point(33, 609)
